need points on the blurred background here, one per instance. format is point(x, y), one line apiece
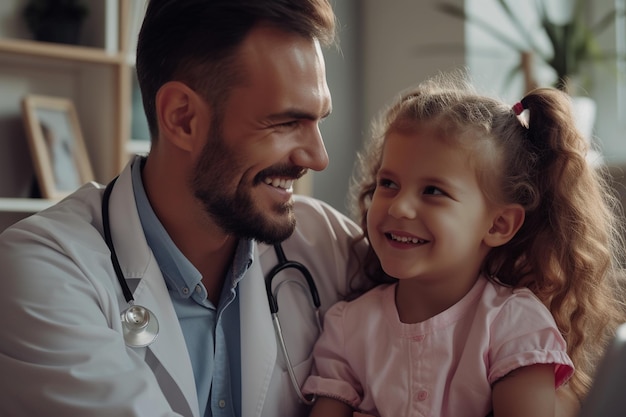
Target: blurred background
point(386, 46)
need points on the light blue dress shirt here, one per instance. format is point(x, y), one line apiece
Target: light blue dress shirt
point(211, 334)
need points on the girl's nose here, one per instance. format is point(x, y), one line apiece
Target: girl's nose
point(403, 206)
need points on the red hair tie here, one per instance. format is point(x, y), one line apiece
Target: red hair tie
point(521, 113)
point(518, 108)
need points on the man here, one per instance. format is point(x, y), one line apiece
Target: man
point(234, 91)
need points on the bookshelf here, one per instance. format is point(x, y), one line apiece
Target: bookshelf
point(96, 75)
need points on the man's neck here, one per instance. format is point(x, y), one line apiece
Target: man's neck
point(200, 240)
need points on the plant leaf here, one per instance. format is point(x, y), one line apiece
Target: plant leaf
point(459, 12)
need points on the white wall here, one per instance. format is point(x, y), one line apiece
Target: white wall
point(404, 43)
point(341, 129)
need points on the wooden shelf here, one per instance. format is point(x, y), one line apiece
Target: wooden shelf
point(33, 49)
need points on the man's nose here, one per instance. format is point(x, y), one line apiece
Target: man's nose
point(312, 153)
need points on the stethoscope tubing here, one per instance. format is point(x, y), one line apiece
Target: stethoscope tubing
point(283, 264)
point(106, 228)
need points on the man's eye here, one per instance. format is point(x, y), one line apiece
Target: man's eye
point(291, 123)
point(432, 190)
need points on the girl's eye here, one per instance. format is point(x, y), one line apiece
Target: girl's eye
point(386, 183)
point(432, 190)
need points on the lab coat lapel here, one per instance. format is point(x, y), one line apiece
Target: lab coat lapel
point(169, 348)
point(258, 343)
point(137, 261)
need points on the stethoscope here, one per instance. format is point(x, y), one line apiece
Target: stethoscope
point(140, 326)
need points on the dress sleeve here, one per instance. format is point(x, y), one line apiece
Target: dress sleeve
point(524, 334)
point(332, 375)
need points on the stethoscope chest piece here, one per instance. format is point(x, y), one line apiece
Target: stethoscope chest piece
point(139, 326)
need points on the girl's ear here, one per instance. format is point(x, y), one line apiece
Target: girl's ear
point(182, 114)
point(506, 223)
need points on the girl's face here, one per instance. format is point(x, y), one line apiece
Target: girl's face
point(428, 215)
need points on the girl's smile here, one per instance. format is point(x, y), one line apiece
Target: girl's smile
point(400, 240)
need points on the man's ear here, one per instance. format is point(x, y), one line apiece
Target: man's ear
point(181, 114)
point(506, 223)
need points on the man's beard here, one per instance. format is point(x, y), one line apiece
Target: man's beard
point(230, 204)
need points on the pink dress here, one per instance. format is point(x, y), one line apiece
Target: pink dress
point(442, 367)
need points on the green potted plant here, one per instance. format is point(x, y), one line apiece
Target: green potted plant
point(573, 43)
point(55, 20)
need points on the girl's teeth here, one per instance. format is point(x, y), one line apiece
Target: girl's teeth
point(405, 239)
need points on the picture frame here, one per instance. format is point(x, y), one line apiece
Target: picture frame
point(56, 143)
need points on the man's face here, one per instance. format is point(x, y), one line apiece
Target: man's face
point(268, 137)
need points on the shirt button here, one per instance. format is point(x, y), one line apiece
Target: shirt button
point(198, 289)
point(185, 290)
point(221, 403)
point(421, 395)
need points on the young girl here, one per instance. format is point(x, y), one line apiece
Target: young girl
point(492, 244)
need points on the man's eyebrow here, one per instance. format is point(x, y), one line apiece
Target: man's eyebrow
point(298, 114)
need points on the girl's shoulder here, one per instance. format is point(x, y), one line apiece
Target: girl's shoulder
point(512, 304)
point(502, 293)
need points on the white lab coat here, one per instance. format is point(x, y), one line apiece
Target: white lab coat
point(61, 347)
